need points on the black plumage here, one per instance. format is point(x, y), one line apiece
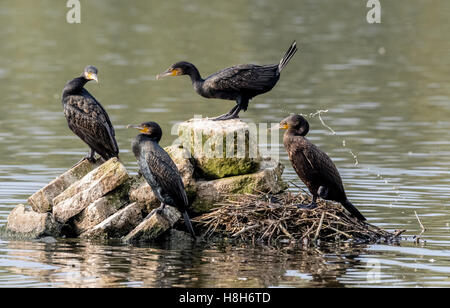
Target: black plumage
point(313, 166)
point(159, 170)
point(240, 83)
point(87, 118)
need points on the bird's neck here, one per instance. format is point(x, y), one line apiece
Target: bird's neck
point(292, 134)
point(301, 132)
point(74, 86)
point(196, 78)
point(155, 139)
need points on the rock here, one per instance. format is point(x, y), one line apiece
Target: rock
point(35, 225)
point(220, 148)
point(41, 201)
point(101, 209)
point(91, 187)
point(185, 163)
point(117, 225)
point(209, 193)
point(142, 193)
point(154, 226)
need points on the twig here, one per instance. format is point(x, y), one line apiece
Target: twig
point(245, 230)
point(283, 229)
point(421, 226)
point(319, 227)
point(420, 223)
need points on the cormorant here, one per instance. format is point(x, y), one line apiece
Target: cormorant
point(313, 166)
point(159, 170)
point(240, 82)
point(87, 118)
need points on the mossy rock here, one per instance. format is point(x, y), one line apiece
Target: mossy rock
point(220, 148)
point(217, 168)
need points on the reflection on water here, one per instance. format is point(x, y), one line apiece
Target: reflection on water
point(75, 264)
point(386, 89)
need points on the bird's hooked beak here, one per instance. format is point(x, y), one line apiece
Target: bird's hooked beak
point(92, 76)
point(141, 128)
point(283, 125)
point(169, 72)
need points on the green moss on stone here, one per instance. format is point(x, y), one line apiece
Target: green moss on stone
point(217, 168)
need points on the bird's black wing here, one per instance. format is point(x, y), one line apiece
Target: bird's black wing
point(245, 77)
point(323, 167)
point(165, 173)
point(89, 121)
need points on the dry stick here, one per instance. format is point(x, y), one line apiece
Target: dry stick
point(341, 232)
point(301, 188)
point(420, 223)
point(319, 227)
point(245, 230)
point(283, 229)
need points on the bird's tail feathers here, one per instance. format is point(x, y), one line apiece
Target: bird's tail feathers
point(287, 56)
point(353, 210)
point(187, 221)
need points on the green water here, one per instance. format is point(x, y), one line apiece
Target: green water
point(385, 86)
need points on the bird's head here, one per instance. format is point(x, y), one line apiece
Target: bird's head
point(90, 73)
point(178, 69)
point(296, 123)
point(151, 129)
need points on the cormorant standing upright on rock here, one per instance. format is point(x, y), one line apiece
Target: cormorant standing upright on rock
point(240, 83)
point(87, 118)
point(159, 170)
point(313, 166)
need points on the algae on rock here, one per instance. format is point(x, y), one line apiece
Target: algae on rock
point(220, 148)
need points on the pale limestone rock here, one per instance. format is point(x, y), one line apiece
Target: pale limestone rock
point(100, 209)
point(220, 148)
point(41, 201)
point(26, 221)
point(118, 224)
point(154, 226)
point(93, 186)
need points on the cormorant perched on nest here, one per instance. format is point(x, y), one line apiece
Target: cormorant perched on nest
point(159, 170)
point(87, 118)
point(240, 82)
point(313, 166)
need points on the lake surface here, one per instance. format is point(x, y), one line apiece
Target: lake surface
point(385, 86)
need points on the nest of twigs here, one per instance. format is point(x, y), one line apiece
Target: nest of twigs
point(269, 219)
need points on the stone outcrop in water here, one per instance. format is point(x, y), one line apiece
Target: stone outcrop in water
point(105, 201)
point(42, 200)
point(155, 225)
point(220, 148)
point(87, 190)
point(31, 223)
point(118, 224)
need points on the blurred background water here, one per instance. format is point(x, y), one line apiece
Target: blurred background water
point(385, 86)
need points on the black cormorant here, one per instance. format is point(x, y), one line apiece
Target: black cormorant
point(87, 118)
point(159, 170)
point(240, 83)
point(313, 166)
